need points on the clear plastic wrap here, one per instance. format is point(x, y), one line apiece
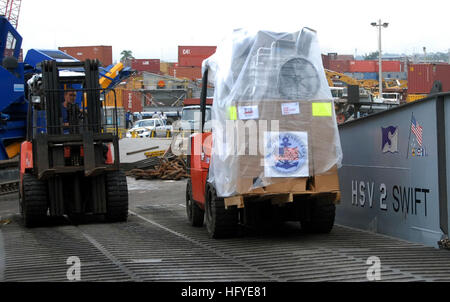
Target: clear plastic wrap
point(273, 116)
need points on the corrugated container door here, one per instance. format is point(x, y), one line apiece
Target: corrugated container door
point(420, 78)
point(443, 75)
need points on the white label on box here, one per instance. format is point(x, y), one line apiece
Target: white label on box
point(248, 112)
point(286, 154)
point(290, 108)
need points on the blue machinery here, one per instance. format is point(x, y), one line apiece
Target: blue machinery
point(13, 107)
point(13, 77)
point(395, 175)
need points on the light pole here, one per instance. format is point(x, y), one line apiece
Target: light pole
point(380, 74)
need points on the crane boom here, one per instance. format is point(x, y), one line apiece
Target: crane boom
point(11, 10)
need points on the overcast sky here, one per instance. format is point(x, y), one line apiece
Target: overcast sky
point(154, 28)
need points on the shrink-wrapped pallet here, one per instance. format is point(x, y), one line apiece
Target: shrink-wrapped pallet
point(273, 116)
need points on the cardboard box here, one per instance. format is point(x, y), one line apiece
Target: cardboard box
point(310, 117)
point(327, 182)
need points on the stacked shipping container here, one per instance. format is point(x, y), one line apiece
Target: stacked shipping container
point(102, 53)
point(344, 66)
point(189, 56)
point(190, 59)
point(149, 65)
point(365, 69)
point(339, 65)
point(362, 66)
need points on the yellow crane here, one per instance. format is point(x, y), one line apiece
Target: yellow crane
point(114, 72)
point(333, 76)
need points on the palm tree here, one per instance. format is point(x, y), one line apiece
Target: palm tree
point(127, 56)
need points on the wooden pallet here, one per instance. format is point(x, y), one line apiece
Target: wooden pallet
point(281, 193)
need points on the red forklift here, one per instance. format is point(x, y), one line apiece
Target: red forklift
point(69, 165)
point(313, 205)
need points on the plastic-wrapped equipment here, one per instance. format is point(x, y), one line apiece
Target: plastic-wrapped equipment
point(273, 115)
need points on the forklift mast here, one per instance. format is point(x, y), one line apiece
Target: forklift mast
point(84, 134)
point(203, 96)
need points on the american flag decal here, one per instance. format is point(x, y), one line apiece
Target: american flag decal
point(416, 130)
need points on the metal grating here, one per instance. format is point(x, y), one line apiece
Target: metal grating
point(157, 244)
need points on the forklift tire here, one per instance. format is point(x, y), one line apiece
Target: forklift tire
point(322, 215)
point(34, 201)
point(220, 222)
point(116, 197)
point(195, 215)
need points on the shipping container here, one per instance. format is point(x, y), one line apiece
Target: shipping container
point(149, 65)
point(194, 55)
point(191, 73)
point(132, 100)
point(390, 66)
point(362, 66)
point(102, 53)
point(325, 61)
point(422, 76)
point(339, 65)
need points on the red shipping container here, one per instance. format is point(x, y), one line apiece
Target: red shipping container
point(339, 65)
point(363, 66)
point(149, 65)
point(422, 76)
point(132, 100)
point(191, 73)
point(194, 55)
point(390, 66)
point(102, 53)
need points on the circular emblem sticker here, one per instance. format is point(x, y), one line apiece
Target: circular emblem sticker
point(286, 154)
